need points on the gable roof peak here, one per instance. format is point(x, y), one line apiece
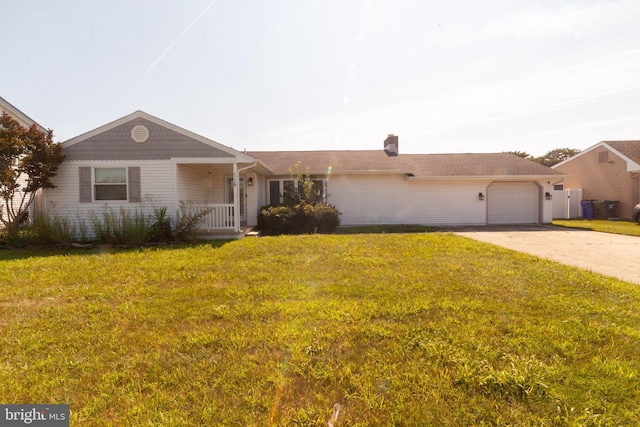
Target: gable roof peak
point(113, 141)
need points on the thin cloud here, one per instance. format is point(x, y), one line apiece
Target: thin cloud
point(185, 31)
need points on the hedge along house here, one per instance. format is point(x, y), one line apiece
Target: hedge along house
point(142, 163)
point(386, 187)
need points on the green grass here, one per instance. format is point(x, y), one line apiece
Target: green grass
point(615, 227)
point(422, 329)
point(380, 229)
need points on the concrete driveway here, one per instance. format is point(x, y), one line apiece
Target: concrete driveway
point(610, 254)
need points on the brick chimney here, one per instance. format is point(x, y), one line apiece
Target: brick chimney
point(391, 145)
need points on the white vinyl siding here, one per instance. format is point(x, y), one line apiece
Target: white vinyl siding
point(392, 199)
point(513, 203)
point(156, 188)
point(202, 183)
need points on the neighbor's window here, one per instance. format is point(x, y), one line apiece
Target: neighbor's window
point(110, 183)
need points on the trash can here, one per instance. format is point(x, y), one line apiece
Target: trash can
point(599, 209)
point(587, 209)
point(610, 206)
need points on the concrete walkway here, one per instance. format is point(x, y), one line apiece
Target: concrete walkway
point(610, 254)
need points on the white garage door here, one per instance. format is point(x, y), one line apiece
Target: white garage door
point(512, 203)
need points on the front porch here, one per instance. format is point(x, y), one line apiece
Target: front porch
point(226, 191)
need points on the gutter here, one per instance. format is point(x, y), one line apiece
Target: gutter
point(248, 167)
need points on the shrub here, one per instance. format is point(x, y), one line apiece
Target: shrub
point(129, 228)
point(190, 217)
point(55, 230)
point(326, 218)
point(298, 219)
point(161, 230)
point(275, 220)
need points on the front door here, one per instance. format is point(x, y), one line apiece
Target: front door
point(242, 198)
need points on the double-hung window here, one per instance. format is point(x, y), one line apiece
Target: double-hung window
point(110, 183)
point(103, 184)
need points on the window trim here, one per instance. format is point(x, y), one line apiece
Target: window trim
point(96, 184)
point(280, 182)
point(87, 184)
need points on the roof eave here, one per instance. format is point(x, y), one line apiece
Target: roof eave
point(350, 172)
point(554, 177)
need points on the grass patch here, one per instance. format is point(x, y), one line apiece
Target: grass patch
point(616, 227)
point(420, 329)
point(380, 229)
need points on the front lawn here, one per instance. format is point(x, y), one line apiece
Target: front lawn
point(396, 329)
point(615, 227)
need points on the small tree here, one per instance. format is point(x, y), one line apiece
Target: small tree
point(309, 190)
point(28, 160)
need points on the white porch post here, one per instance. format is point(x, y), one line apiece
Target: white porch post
point(236, 198)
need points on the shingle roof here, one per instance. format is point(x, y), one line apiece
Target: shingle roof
point(631, 149)
point(418, 165)
point(163, 144)
point(7, 107)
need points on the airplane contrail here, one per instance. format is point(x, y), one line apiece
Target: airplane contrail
point(166, 51)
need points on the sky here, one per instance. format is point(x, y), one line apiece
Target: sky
point(453, 76)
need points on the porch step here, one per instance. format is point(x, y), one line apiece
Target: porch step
point(254, 233)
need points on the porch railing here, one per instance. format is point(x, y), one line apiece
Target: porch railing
point(220, 217)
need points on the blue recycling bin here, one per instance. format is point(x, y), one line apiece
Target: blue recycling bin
point(588, 211)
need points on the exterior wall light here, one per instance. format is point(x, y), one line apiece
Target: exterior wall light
point(480, 196)
point(250, 181)
point(547, 195)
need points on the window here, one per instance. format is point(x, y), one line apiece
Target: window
point(110, 183)
point(104, 184)
point(282, 190)
point(287, 191)
point(558, 187)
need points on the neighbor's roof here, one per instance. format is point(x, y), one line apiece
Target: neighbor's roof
point(22, 118)
point(417, 165)
point(631, 149)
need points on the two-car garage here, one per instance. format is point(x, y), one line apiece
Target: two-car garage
point(513, 203)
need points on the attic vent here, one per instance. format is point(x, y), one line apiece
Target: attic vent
point(139, 134)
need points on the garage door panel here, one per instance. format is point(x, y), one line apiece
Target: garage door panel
point(512, 203)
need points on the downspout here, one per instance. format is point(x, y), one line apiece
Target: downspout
point(236, 193)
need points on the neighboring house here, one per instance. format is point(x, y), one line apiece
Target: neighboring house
point(27, 122)
point(607, 171)
point(142, 162)
point(18, 115)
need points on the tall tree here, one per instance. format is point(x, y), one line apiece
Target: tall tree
point(556, 156)
point(522, 154)
point(28, 160)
